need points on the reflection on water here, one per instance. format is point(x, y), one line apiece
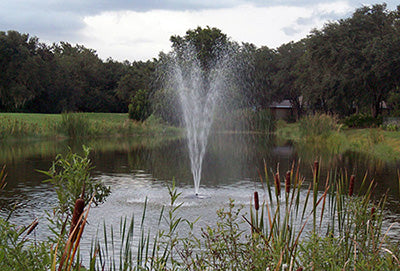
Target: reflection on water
point(139, 168)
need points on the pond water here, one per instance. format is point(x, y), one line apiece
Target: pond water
point(137, 169)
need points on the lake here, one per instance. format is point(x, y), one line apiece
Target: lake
point(140, 168)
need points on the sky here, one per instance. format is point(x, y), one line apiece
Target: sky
point(136, 30)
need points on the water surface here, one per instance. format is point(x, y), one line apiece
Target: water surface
point(139, 169)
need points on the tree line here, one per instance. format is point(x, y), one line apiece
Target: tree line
point(35, 77)
point(349, 66)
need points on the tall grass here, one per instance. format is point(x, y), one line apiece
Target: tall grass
point(317, 125)
point(75, 125)
point(17, 128)
point(330, 229)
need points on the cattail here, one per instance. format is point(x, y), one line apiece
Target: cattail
point(299, 269)
point(32, 227)
point(277, 184)
point(316, 169)
point(256, 203)
point(373, 213)
point(287, 182)
point(351, 185)
point(78, 210)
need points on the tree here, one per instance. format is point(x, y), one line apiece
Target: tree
point(20, 67)
point(139, 109)
point(354, 59)
point(139, 75)
point(285, 80)
point(207, 42)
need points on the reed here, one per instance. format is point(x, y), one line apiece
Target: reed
point(75, 125)
point(3, 175)
point(299, 233)
point(316, 125)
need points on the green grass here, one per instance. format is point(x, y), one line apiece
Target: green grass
point(374, 142)
point(24, 125)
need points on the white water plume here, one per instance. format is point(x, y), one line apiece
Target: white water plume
point(200, 91)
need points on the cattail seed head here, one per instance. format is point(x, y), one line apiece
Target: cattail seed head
point(316, 169)
point(32, 227)
point(351, 185)
point(287, 182)
point(78, 210)
point(256, 202)
point(373, 212)
point(299, 269)
point(277, 184)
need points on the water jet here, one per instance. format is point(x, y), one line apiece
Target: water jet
point(200, 90)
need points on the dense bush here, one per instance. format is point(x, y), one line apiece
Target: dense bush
point(391, 127)
point(362, 121)
point(317, 125)
point(391, 124)
point(139, 109)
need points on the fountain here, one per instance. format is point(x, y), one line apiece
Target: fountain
point(200, 90)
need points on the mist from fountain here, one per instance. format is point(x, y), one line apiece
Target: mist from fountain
point(200, 91)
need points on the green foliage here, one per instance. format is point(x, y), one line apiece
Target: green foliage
point(224, 246)
point(394, 102)
point(391, 124)
point(75, 125)
point(206, 41)
point(17, 253)
point(139, 109)
point(138, 77)
point(263, 120)
point(318, 125)
point(70, 176)
point(289, 63)
point(362, 121)
point(392, 127)
point(343, 73)
point(165, 105)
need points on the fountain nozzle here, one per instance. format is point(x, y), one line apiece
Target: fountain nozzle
point(197, 194)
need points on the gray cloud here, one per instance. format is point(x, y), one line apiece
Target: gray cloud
point(56, 20)
point(290, 30)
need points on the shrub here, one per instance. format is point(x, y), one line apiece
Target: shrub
point(75, 125)
point(139, 109)
point(392, 127)
point(317, 125)
point(391, 124)
point(362, 121)
point(16, 252)
point(70, 175)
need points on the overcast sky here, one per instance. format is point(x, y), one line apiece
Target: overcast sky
point(140, 29)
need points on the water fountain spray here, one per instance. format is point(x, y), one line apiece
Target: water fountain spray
point(200, 90)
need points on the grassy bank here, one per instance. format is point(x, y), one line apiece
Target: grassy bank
point(71, 125)
point(376, 143)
